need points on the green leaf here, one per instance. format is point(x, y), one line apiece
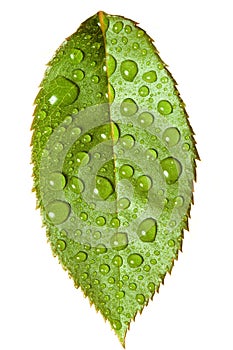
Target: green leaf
point(114, 165)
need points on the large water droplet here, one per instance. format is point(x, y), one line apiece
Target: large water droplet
point(164, 107)
point(126, 171)
point(76, 185)
point(119, 241)
point(57, 181)
point(140, 299)
point(144, 183)
point(150, 77)
point(117, 27)
point(62, 92)
point(135, 260)
point(147, 230)
point(171, 136)
point(123, 203)
point(145, 119)
point(171, 169)
point(128, 107)
point(58, 212)
point(129, 70)
point(111, 64)
point(76, 55)
point(117, 260)
point(104, 187)
point(104, 269)
point(82, 158)
point(81, 256)
point(78, 75)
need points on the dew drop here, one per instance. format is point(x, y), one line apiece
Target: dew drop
point(144, 183)
point(127, 141)
point(117, 260)
point(135, 260)
point(57, 181)
point(120, 309)
point(104, 187)
point(86, 138)
point(126, 171)
point(111, 64)
point(111, 93)
point(171, 169)
point(111, 280)
point(95, 79)
point(164, 107)
point(76, 185)
point(119, 241)
point(82, 158)
point(128, 29)
point(150, 77)
point(114, 41)
point(47, 131)
point(78, 75)
point(145, 119)
point(140, 299)
point(100, 249)
point(115, 222)
point(186, 147)
point(104, 269)
point(147, 230)
point(76, 55)
point(129, 70)
point(124, 40)
point(144, 91)
point(58, 211)
point(81, 257)
point(123, 203)
point(151, 154)
point(61, 245)
point(117, 27)
point(147, 268)
point(135, 46)
point(83, 216)
point(151, 287)
point(120, 294)
point(179, 201)
point(100, 220)
point(96, 235)
point(116, 325)
point(140, 33)
point(75, 132)
point(171, 243)
point(132, 286)
point(171, 136)
point(128, 107)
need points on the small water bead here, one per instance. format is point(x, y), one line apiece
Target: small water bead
point(171, 169)
point(132, 286)
point(145, 119)
point(106, 298)
point(57, 181)
point(111, 93)
point(86, 138)
point(126, 171)
point(140, 33)
point(128, 29)
point(93, 64)
point(61, 245)
point(164, 80)
point(77, 55)
point(146, 268)
point(115, 222)
point(128, 107)
point(82, 158)
point(97, 235)
point(164, 107)
point(100, 249)
point(104, 187)
point(95, 79)
point(104, 269)
point(135, 260)
point(117, 27)
point(123, 203)
point(117, 260)
point(129, 70)
point(150, 77)
point(135, 46)
point(127, 141)
point(140, 299)
point(111, 64)
point(76, 132)
point(111, 280)
point(120, 294)
point(153, 261)
point(171, 136)
point(78, 74)
point(144, 91)
point(47, 131)
point(147, 230)
point(120, 309)
point(124, 40)
point(76, 185)
point(114, 41)
point(186, 147)
point(171, 243)
point(151, 154)
point(58, 212)
point(179, 201)
point(117, 325)
point(151, 287)
point(81, 257)
point(83, 216)
point(144, 183)
point(42, 115)
point(119, 241)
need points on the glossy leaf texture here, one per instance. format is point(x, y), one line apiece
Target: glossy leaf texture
point(114, 165)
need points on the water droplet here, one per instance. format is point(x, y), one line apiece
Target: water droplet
point(114, 41)
point(58, 212)
point(81, 257)
point(186, 147)
point(86, 138)
point(128, 29)
point(117, 260)
point(151, 287)
point(132, 286)
point(147, 230)
point(78, 74)
point(119, 241)
point(83, 216)
point(124, 40)
point(104, 269)
point(120, 294)
point(76, 55)
point(129, 70)
point(47, 131)
point(151, 154)
point(95, 79)
point(179, 201)
point(123, 203)
point(144, 52)
point(135, 46)
point(140, 299)
point(171, 169)
point(126, 171)
point(164, 107)
point(111, 64)
point(96, 235)
point(100, 221)
point(135, 260)
point(150, 77)
point(75, 132)
point(128, 107)
point(164, 80)
point(111, 280)
point(100, 249)
point(42, 115)
point(171, 136)
point(111, 93)
point(57, 181)
point(140, 33)
point(171, 243)
point(82, 158)
point(145, 119)
point(120, 309)
point(146, 268)
point(144, 183)
point(115, 222)
point(127, 141)
point(84, 275)
point(143, 91)
point(104, 188)
point(153, 261)
point(76, 185)
point(116, 325)
point(61, 245)
point(117, 27)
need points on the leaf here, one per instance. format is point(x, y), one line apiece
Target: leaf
point(114, 165)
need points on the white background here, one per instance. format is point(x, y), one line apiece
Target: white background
point(39, 307)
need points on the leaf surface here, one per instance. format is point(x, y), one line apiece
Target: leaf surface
point(114, 165)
